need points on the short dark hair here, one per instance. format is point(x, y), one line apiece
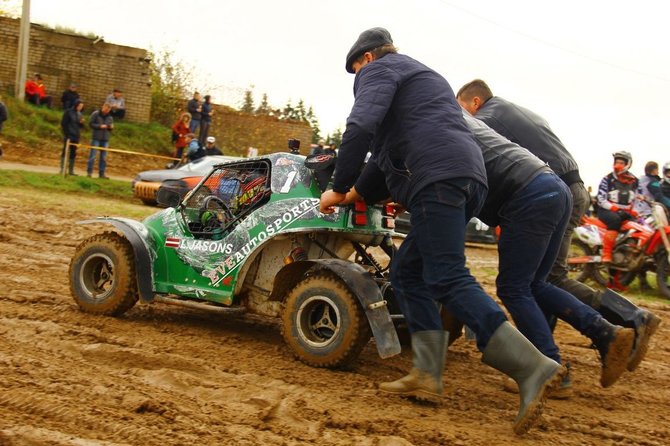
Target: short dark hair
point(650, 167)
point(474, 88)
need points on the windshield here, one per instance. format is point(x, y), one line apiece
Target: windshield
point(204, 164)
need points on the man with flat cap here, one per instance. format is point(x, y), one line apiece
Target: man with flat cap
point(425, 158)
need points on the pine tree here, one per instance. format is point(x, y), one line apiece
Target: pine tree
point(248, 104)
point(313, 121)
point(264, 107)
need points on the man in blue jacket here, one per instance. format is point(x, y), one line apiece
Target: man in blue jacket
point(423, 152)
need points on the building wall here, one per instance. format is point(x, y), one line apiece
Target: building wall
point(235, 132)
point(97, 68)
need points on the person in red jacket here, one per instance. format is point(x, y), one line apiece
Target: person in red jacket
point(179, 131)
point(36, 92)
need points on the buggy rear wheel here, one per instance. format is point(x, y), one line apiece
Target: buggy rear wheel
point(102, 275)
point(323, 322)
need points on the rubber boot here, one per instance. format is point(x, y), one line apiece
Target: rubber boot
point(563, 392)
point(424, 381)
point(619, 310)
point(62, 165)
point(536, 375)
point(71, 167)
point(614, 343)
point(609, 239)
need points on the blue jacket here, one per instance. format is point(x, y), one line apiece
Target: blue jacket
point(406, 114)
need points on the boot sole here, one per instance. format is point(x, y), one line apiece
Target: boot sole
point(617, 356)
point(536, 407)
point(642, 342)
point(418, 394)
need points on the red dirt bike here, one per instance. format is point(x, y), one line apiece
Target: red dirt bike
point(641, 246)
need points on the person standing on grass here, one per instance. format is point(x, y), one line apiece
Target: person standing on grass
point(71, 124)
point(102, 123)
point(4, 116)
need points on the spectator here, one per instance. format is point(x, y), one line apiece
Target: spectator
point(318, 150)
point(179, 130)
point(210, 147)
point(69, 96)
point(194, 107)
point(206, 119)
point(660, 188)
point(407, 115)
point(650, 176)
point(36, 92)
point(194, 150)
point(117, 103)
point(71, 124)
point(4, 116)
point(102, 123)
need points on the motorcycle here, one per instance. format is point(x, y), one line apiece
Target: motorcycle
point(642, 245)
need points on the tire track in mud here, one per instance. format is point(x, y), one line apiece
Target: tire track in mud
point(162, 375)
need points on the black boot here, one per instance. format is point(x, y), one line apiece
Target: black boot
point(424, 381)
point(614, 344)
point(619, 310)
point(536, 375)
point(71, 167)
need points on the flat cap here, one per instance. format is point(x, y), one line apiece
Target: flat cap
point(368, 40)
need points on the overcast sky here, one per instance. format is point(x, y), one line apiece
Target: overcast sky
point(598, 71)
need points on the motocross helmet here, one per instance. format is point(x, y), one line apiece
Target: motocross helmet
point(626, 157)
point(666, 172)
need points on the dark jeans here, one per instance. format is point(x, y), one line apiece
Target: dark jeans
point(118, 113)
point(37, 100)
point(102, 164)
point(204, 132)
point(193, 126)
point(532, 225)
point(72, 151)
point(429, 268)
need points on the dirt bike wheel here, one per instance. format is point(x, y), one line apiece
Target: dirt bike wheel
point(663, 274)
point(323, 323)
point(585, 271)
point(102, 275)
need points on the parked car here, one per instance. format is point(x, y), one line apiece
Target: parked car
point(475, 231)
point(146, 184)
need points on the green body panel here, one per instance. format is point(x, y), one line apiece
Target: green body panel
point(192, 267)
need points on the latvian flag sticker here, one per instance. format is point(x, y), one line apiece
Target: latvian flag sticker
point(172, 242)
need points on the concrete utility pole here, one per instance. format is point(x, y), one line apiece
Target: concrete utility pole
point(22, 58)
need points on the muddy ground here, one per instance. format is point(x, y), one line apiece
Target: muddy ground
point(162, 375)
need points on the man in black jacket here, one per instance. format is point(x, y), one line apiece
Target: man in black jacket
point(423, 152)
point(531, 131)
point(71, 124)
point(531, 205)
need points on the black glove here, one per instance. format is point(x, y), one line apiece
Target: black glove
point(623, 215)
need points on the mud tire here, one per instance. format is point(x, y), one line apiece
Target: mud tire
point(323, 322)
point(583, 272)
point(102, 275)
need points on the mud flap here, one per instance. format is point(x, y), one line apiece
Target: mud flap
point(364, 287)
point(143, 265)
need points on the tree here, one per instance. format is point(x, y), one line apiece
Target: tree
point(289, 113)
point(264, 107)
point(335, 138)
point(170, 83)
point(248, 104)
point(313, 121)
point(300, 112)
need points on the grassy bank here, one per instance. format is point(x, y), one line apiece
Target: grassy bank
point(33, 126)
point(43, 182)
